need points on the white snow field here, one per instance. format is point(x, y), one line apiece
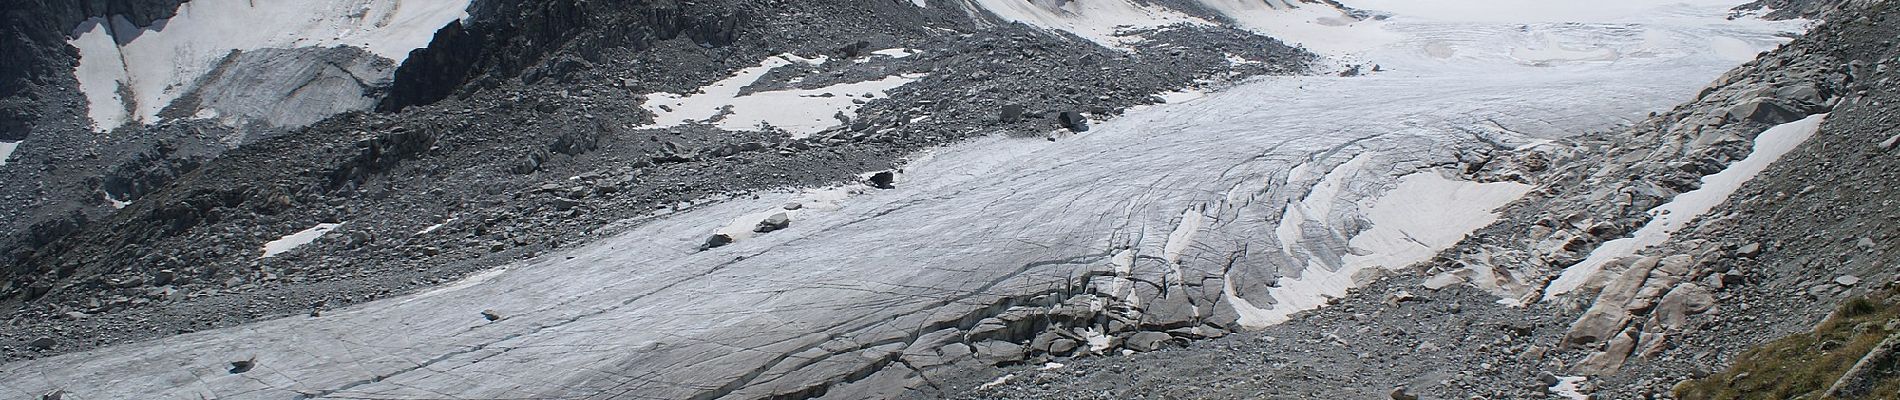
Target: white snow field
point(1195, 190)
point(6, 151)
point(800, 112)
point(295, 240)
point(158, 64)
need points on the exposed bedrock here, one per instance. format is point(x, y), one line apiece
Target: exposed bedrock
point(270, 90)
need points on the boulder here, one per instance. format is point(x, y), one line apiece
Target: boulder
point(1063, 346)
point(1674, 309)
point(775, 222)
point(1073, 121)
point(1401, 393)
point(1608, 314)
point(239, 367)
point(1147, 341)
point(563, 203)
point(997, 352)
point(1804, 93)
point(1168, 312)
point(1611, 359)
point(883, 180)
point(1044, 341)
point(1763, 111)
point(1847, 280)
point(988, 328)
point(42, 343)
point(715, 241)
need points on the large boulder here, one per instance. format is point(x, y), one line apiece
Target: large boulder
point(1609, 313)
point(775, 222)
point(1147, 341)
point(883, 180)
point(1687, 299)
point(1763, 111)
point(1074, 121)
point(997, 352)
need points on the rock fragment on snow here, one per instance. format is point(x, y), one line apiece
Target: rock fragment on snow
point(42, 343)
point(883, 180)
point(1011, 113)
point(715, 241)
point(239, 367)
point(1073, 121)
point(775, 222)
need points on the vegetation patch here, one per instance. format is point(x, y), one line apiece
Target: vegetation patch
point(1808, 365)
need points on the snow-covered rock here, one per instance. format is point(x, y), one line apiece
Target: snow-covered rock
point(133, 74)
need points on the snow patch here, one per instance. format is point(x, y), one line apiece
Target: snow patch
point(1570, 387)
point(1182, 236)
point(1423, 214)
point(1000, 381)
point(1734, 49)
point(1679, 211)
point(157, 64)
point(896, 53)
point(671, 109)
point(1319, 27)
point(1531, 11)
point(432, 228)
point(805, 112)
point(464, 283)
point(6, 151)
point(800, 112)
point(1317, 204)
point(295, 240)
point(1427, 213)
point(1182, 96)
point(1100, 21)
point(116, 203)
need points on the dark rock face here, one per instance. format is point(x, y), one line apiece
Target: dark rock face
point(1791, 9)
point(508, 38)
point(33, 39)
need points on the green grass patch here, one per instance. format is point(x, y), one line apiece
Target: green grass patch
point(1803, 366)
